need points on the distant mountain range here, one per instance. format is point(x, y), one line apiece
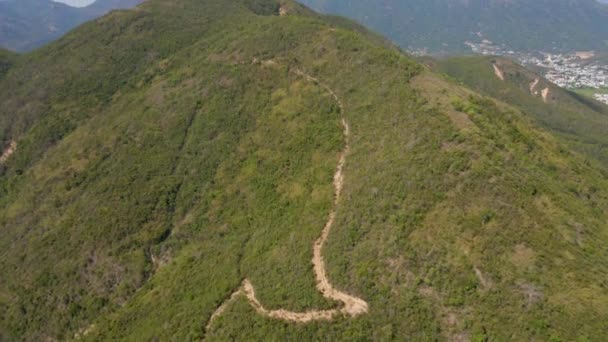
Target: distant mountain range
point(28, 24)
point(445, 25)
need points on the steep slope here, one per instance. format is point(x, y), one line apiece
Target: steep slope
point(192, 145)
point(443, 26)
point(28, 24)
point(581, 121)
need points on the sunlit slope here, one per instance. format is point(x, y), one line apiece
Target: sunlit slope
point(582, 122)
point(186, 154)
point(7, 59)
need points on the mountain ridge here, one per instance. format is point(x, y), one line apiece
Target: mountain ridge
point(28, 24)
point(165, 154)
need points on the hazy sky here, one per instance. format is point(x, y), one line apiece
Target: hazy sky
point(81, 3)
point(77, 3)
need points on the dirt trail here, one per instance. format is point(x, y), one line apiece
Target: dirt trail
point(533, 86)
point(223, 307)
point(283, 11)
point(498, 72)
point(352, 306)
point(12, 147)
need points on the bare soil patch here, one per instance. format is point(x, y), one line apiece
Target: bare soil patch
point(8, 151)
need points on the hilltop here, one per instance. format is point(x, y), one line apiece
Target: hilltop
point(177, 171)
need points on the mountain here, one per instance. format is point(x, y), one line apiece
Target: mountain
point(581, 121)
point(28, 24)
point(444, 26)
point(250, 170)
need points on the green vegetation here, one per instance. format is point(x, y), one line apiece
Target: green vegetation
point(167, 153)
point(579, 120)
point(589, 92)
point(7, 59)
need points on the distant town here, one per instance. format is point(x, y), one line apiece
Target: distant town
point(601, 97)
point(568, 70)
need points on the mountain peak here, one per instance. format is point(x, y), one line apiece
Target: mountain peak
point(28, 24)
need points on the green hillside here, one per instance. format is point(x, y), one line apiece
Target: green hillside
point(162, 156)
point(581, 121)
point(7, 59)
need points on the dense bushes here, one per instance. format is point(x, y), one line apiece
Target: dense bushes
point(133, 210)
point(263, 7)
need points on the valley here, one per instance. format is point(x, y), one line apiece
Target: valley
point(443, 27)
point(565, 40)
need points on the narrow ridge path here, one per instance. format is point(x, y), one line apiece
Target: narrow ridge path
point(352, 306)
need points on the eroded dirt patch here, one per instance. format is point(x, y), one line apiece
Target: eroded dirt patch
point(533, 86)
point(545, 94)
point(498, 72)
point(8, 151)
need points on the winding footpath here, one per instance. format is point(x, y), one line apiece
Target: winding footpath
point(352, 306)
